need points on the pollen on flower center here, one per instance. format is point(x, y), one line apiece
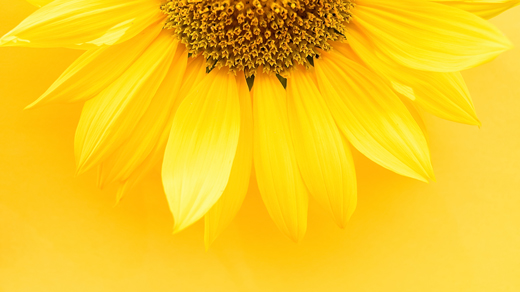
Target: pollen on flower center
point(246, 34)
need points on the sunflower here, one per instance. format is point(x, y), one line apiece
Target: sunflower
point(207, 87)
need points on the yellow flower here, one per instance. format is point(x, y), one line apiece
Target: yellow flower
point(207, 88)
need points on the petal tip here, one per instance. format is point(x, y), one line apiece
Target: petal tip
point(121, 191)
point(101, 182)
point(341, 221)
point(420, 177)
point(471, 120)
point(341, 225)
point(179, 225)
point(425, 174)
point(81, 167)
point(429, 176)
point(509, 44)
point(478, 123)
point(175, 230)
point(85, 162)
point(506, 45)
point(296, 237)
point(29, 106)
point(36, 104)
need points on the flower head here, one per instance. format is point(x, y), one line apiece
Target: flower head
point(212, 88)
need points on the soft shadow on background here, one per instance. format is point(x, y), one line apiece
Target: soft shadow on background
point(59, 233)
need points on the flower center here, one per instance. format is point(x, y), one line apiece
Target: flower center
point(246, 34)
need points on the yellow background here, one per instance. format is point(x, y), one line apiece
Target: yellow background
point(59, 233)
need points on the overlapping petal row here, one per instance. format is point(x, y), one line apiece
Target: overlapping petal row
point(148, 104)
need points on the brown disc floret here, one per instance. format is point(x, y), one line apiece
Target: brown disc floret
point(246, 34)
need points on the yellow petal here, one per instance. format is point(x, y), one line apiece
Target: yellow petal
point(442, 94)
point(39, 3)
point(110, 118)
point(194, 74)
point(146, 134)
point(372, 117)
point(225, 209)
point(484, 8)
point(152, 161)
point(412, 108)
point(96, 69)
point(201, 148)
point(84, 23)
point(324, 160)
point(429, 36)
point(279, 179)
